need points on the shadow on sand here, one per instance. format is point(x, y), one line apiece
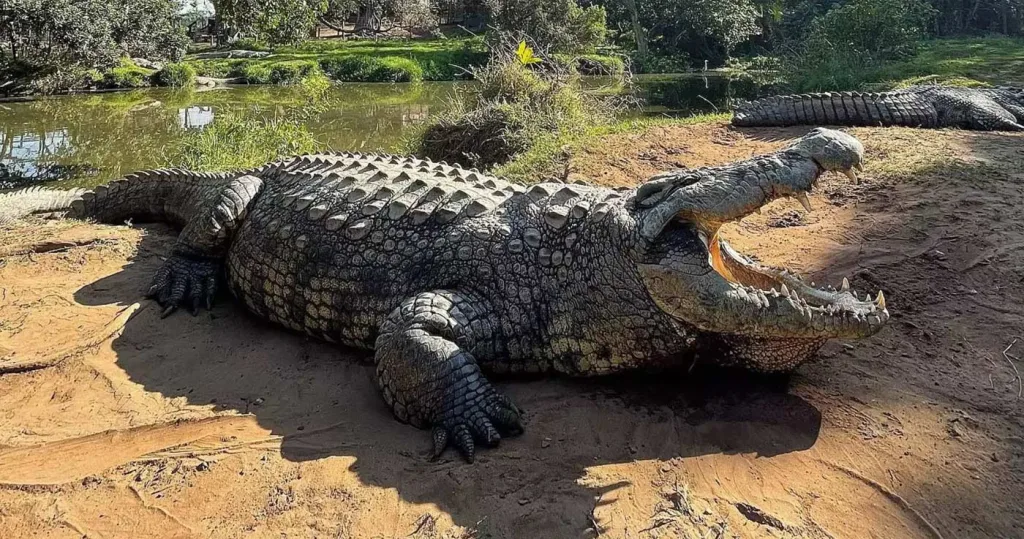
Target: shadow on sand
point(323, 401)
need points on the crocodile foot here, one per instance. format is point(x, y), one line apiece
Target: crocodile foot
point(185, 281)
point(471, 416)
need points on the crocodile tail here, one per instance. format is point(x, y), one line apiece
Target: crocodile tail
point(839, 108)
point(35, 200)
point(166, 195)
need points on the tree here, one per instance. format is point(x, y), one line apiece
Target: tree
point(272, 21)
point(556, 25)
point(707, 29)
point(90, 33)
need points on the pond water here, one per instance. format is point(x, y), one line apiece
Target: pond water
point(91, 139)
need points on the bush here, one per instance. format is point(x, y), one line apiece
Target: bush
point(293, 71)
point(176, 75)
point(592, 64)
point(482, 137)
point(561, 25)
point(372, 69)
point(253, 72)
point(513, 111)
point(64, 80)
point(127, 75)
point(220, 68)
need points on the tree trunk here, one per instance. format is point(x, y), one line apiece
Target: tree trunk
point(638, 31)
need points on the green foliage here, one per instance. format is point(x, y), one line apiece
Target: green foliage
point(293, 71)
point(275, 22)
point(512, 110)
point(592, 64)
point(177, 75)
point(254, 72)
point(383, 60)
point(852, 40)
point(700, 29)
point(63, 80)
point(651, 63)
point(90, 33)
point(372, 69)
point(993, 60)
point(236, 142)
point(560, 26)
point(127, 75)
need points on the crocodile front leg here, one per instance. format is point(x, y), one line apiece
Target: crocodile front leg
point(189, 276)
point(427, 372)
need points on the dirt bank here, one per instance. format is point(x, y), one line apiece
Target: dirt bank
point(114, 423)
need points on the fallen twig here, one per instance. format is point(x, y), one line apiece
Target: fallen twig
point(1007, 356)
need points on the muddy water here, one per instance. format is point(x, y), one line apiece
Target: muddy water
point(90, 139)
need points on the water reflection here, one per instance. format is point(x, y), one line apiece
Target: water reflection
point(87, 140)
point(195, 117)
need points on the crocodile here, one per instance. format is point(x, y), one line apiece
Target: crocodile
point(985, 109)
point(447, 274)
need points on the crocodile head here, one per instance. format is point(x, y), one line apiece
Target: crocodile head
point(746, 313)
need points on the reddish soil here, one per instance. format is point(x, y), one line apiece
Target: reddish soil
point(114, 423)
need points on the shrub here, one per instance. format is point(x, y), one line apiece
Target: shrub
point(220, 68)
point(513, 111)
point(372, 69)
point(293, 71)
point(562, 25)
point(592, 64)
point(176, 75)
point(63, 80)
point(254, 72)
point(127, 75)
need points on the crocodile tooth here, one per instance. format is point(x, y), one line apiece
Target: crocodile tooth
point(785, 291)
point(802, 197)
point(880, 300)
point(846, 285)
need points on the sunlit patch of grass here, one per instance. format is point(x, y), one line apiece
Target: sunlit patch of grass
point(991, 60)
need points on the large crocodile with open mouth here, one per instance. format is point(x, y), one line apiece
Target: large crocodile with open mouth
point(985, 109)
point(447, 273)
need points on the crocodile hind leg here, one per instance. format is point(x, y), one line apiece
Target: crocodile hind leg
point(189, 276)
point(429, 376)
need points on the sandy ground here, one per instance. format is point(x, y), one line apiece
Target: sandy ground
point(114, 423)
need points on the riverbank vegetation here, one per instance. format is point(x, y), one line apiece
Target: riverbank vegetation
point(522, 109)
point(62, 45)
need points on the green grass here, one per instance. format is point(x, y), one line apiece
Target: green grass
point(176, 75)
point(372, 69)
point(990, 60)
point(128, 75)
point(392, 60)
point(970, 61)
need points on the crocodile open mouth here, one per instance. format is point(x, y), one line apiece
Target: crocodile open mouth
point(702, 280)
point(697, 277)
point(832, 311)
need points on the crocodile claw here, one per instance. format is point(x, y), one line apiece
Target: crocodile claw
point(482, 421)
point(184, 282)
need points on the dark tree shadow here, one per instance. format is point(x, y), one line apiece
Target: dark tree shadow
point(322, 399)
